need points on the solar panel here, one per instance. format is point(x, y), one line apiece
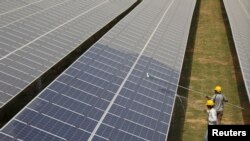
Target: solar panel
point(20, 13)
point(238, 12)
point(105, 94)
point(32, 44)
point(10, 6)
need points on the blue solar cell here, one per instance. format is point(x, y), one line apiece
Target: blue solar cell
point(141, 119)
point(48, 94)
point(98, 138)
point(78, 135)
point(131, 85)
point(117, 110)
point(159, 136)
point(14, 129)
point(19, 131)
point(127, 93)
point(72, 72)
point(161, 127)
point(112, 88)
point(91, 55)
point(164, 117)
point(27, 116)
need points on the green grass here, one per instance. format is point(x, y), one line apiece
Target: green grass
point(210, 59)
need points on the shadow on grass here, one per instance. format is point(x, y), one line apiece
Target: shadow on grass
point(239, 79)
point(178, 117)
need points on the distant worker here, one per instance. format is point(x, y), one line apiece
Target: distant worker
point(219, 100)
point(212, 116)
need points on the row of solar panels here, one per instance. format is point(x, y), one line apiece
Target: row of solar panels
point(33, 43)
point(105, 94)
point(238, 12)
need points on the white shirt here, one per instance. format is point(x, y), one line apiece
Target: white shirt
point(212, 116)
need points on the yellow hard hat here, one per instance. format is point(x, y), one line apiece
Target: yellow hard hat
point(210, 103)
point(218, 88)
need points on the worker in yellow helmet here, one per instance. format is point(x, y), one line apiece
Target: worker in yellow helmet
point(212, 115)
point(219, 100)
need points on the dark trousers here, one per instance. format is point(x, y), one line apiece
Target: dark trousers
point(219, 116)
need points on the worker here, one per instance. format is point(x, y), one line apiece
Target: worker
point(219, 100)
point(212, 115)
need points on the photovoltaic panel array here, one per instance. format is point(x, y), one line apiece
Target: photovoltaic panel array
point(238, 12)
point(36, 36)
point(105, 94)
